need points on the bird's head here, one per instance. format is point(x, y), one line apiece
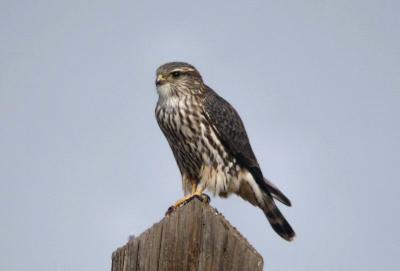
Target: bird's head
point(177, 79)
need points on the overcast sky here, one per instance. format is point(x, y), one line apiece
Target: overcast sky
point(83, 164)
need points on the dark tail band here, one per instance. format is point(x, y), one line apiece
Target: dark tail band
point(276, 219)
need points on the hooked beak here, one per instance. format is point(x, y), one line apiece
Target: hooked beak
point(160, 80)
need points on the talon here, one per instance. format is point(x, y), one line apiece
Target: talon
point(205, 198)
point(196, 193)
point(170, 210)
point(202, 197)
point(178, 204)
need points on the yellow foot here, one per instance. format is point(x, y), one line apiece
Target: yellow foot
point(203, 197)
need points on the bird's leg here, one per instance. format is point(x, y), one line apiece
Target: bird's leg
point(194, 188)
point(196, 193)
point(187, 197)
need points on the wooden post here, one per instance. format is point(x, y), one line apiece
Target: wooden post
point(194, 237)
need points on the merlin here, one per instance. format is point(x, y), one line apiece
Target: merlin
point(210, 144)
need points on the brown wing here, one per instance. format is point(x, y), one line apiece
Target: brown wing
point(230, 129)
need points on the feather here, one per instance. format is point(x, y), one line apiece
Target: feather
point(277, 194)
point(276, 219)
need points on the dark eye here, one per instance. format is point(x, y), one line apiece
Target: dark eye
point(176, 74)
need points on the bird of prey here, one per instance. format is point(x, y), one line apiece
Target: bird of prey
point(210, 144)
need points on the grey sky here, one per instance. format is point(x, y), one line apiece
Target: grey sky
point(83, 163)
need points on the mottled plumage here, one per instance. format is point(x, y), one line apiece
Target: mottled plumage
point(210, 143)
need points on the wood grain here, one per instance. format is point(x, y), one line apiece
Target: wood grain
point(194, 237)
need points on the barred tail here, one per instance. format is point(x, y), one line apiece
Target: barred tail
point(276, 219)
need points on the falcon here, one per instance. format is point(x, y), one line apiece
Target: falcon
point(210, 144)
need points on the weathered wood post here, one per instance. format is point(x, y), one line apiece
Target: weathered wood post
point(194, 237)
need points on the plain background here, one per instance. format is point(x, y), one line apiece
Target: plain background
point(83, 164)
